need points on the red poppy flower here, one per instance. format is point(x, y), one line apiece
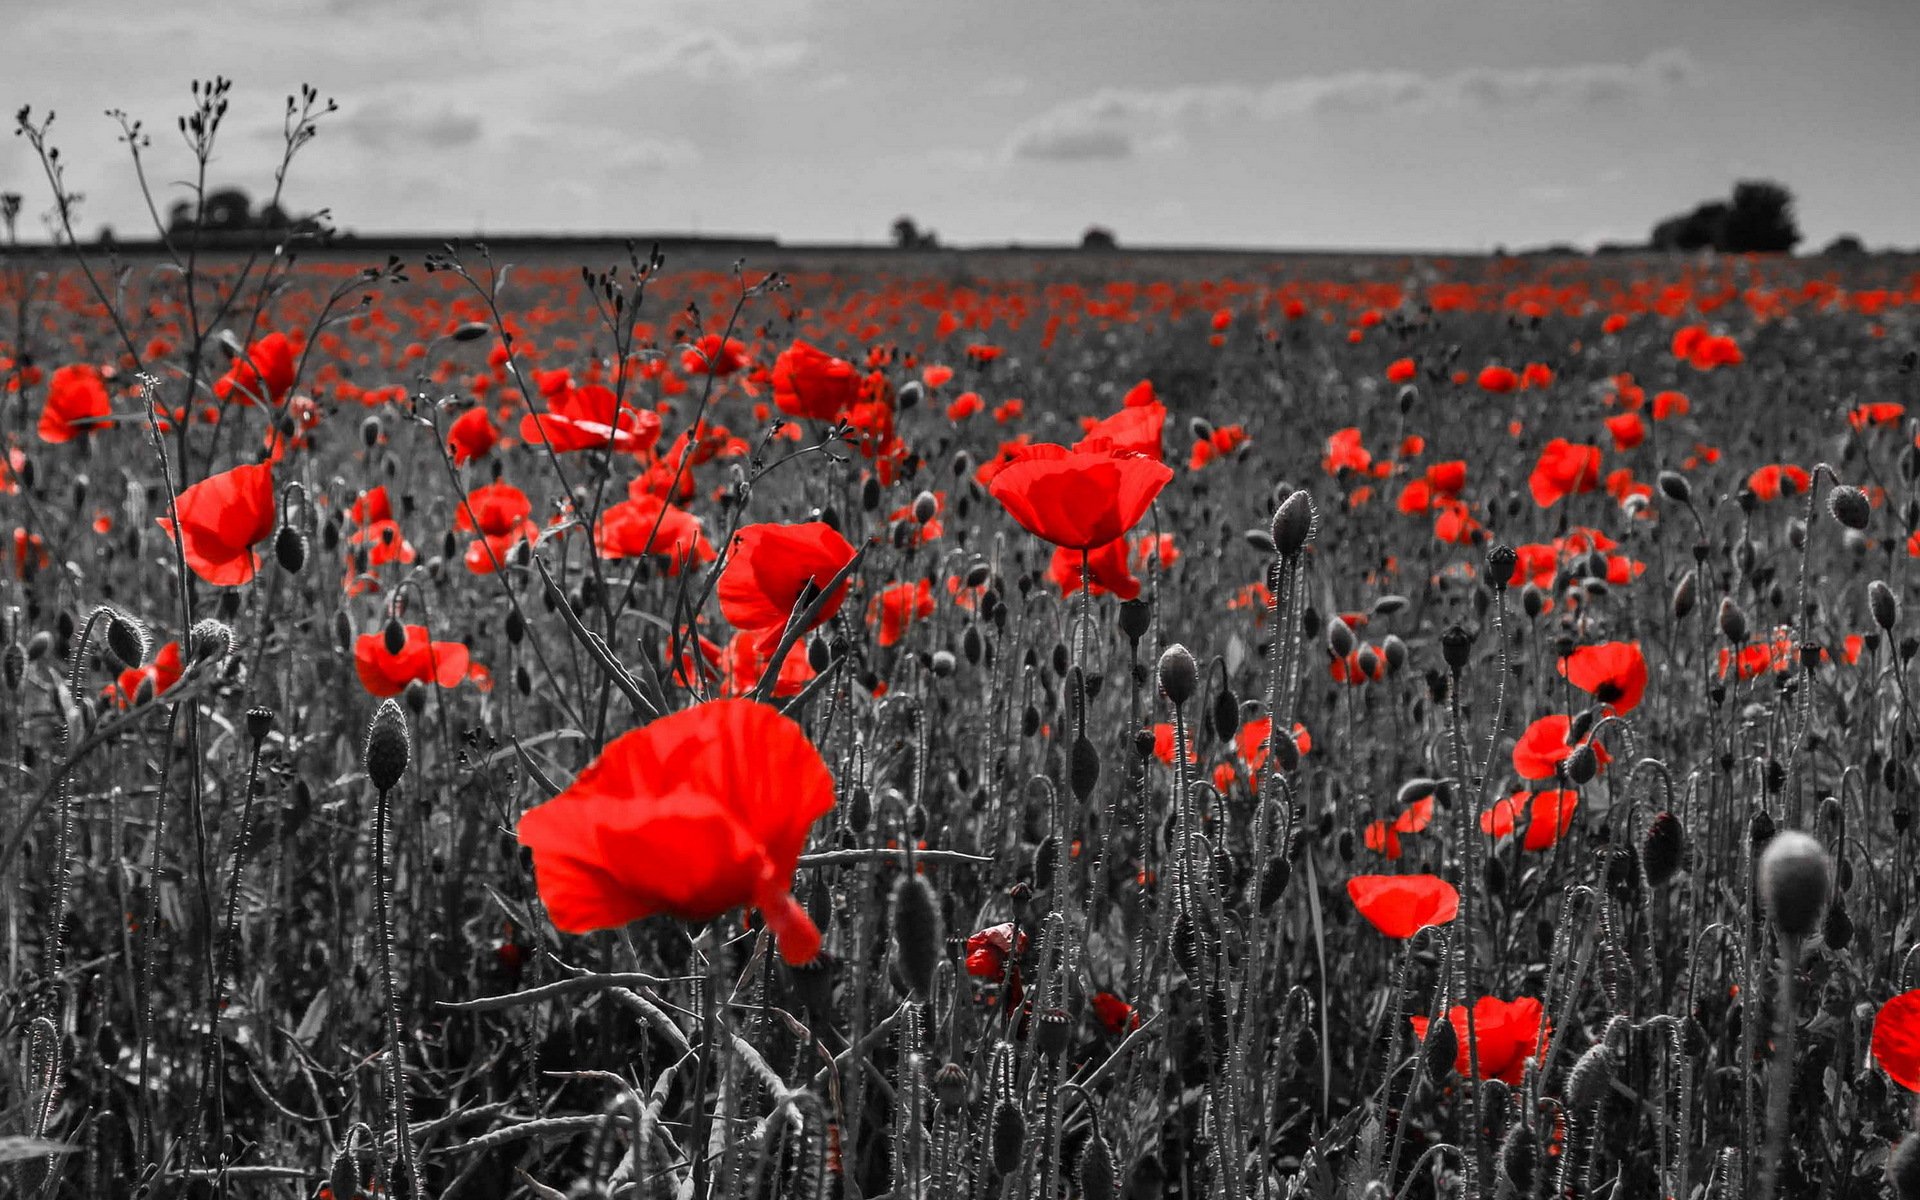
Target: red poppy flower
point(221, 519)
point(808, 382)
point(1135, 429)
point(1115, 1015)
point(714, 355)
point(1251, 742)
point(1896, 1039)
point(695, 814)
point(1614, 673)
point(372, 511)
point(966, 404)
point(1383, 837)
point(744, 663)
point(624, 530)
point(899, 606)
point(1671, 404)
point(471, 435)
point(1879, 413)
point(162, 673)
point(1163, 744)
point(988, 950)
point(1506, 1033)
point(1548, 815)
point(1498, 380)
point(1402, 905)
point(1564, 469)
point(386, 674)
point(590, 418)
point(1081, 498)
point(76, 397)
point(1779, 479)
point(1401, 370)
point(499, 515)
point(769, 567)
point(1536, 375)
point(1106, 564)
point(1346, 453)
point(1543, 746)
point(263, 373)
point(1629, 429)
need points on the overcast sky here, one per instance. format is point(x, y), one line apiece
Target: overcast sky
point(1390, 123)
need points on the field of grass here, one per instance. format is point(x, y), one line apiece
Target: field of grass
point(487, 728)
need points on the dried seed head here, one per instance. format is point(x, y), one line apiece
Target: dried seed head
point(389, 747)
point(1051, 1033)
point(126, 639)
point(259, 723)
point(1293, 524)
point(209, 642)
point(1179, 674)
point(1884, 606)
point(1795, 881)
point(916, 933)
point(1849, 506)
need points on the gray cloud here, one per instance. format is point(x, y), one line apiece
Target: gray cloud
point(396, 124)
point(712, 54)
point(1117, 123)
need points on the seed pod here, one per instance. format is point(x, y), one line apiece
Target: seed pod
point(950, 1087)
point(1663, 853)
point(1179, 674)
point(1456, 646)
point(1009, 1136)
point(916, 933)
point(1795, 881)
point(259, 723)
point(1051, 1032)
point(1502, 559)
point(1293, 524)
point(389, 747)
point(1882, 603)
point(1849, 506)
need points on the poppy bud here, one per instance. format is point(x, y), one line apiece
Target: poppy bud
point(1795, 881)
point(1516, 1157)
point(1456, 646)
point(1260, 540)
point(972, 645)
point(1683, 595)
point(1394, 651)
point(126, 639)
point(388, 748)
point(1733, 622)
point(1849, 506)
point(1797, 534)
point(1409, 396)
point(1136, 617)
point(259, 723)
point(394, 636)
point(1674, 486)
point(1084, 771)
point(1533, 601)
point(1582, 764)
point(1008, 1136)
point(209, 641)
point(944, 663)
point(290, 549)
point(1837, 929)
point(916, 933)
point(1051, 1032)
point(1225, 714)
point(909, 395)
point(1501, 560)
point(1884, 606)
point(1339, 637)
point(1097, 1178)
point(1200, 428)
point(1274, 878)
point(1663, 853)
point(1179, 674)
point(370, 432)
point(1293, 524)
point(1441, 1047)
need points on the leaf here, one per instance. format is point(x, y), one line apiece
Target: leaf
point(314, 1020)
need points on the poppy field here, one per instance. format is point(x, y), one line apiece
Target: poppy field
point(959, 726)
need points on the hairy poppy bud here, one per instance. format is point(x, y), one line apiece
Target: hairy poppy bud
point(1008, 1136)
point(1339, 637)
point(1517, 1153)
point(1849, 506)
point(950, 1087)
point(394, 636)
point(290, 549)
point(916, 933)
point(1533, 601)
point(1261, 540)
point(1683, 595)
point(209, 641)
point(1674, 486)
point(925, 507)
point(1179, 674)
point(1837, 929)
point(1663, 853)
point(910, 394)
point(1884, 606)
point(1293, 524)
point(1795, 880)
point(1274, 878)
point(1582, 764)
point(1098, 1181)
point(1733, 622)
point(1084, 771)
point(1501, 561)
point(126, 639)
point(1440, 1049)
point(389, 747)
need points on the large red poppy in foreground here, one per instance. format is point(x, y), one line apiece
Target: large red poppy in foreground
point(1081, 498)
point(1509, 1032)
point(1896, 1039)
point(698, 813)
point(222, 518)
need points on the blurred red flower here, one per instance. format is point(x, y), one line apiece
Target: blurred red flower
point(714, 355)
point(1543, 745)
point(989, 949)
point(76, 397)
point(1115, 1015)
point(1564, 469)
point(263, 373)
point(590, 418)
point(1896, 1039)
point(1548, 814)
point(1106, 564)
point(624, 530)
point(697, 813)
point(471, 435)
point(384, 673)
point(808, 382)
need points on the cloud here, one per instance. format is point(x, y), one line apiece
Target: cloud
point(396, 125)
point(1117, 123)
point(710, 54)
